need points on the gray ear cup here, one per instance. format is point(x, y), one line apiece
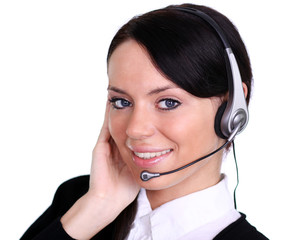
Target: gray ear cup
point(218, 120)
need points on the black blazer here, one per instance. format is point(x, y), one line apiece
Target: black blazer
point(48, 225)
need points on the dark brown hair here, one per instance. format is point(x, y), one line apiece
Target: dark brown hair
point(186, 49)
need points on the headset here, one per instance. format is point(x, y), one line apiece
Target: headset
point(232, 115)
point(234, 111)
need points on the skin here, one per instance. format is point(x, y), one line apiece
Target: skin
point(146, 125)
point(139, 118)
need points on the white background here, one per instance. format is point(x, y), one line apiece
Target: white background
point(53, 92)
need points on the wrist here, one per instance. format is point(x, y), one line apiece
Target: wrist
point(89, 215)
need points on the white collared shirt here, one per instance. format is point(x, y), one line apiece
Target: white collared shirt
point(200, 215)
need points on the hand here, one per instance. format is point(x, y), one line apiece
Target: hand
point(112, 188)
point(110, 177)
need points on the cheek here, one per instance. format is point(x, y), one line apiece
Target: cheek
point(117, 126)
point(193, 134)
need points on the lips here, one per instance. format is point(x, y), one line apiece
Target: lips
point(149, 155)
point(148, 159)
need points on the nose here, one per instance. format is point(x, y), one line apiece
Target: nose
point(140, 124)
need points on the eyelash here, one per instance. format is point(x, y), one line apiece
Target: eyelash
point(114, 104)
point(170, 108)
point(114, 100)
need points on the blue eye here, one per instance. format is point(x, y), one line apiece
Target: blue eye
point(119, 103)
point(168, 104)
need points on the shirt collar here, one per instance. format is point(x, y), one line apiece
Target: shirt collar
point(182, 215)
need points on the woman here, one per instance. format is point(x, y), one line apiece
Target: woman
point(167, 80)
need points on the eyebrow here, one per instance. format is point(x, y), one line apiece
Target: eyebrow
point(118, 90)
point(152, 92)
point(160, 89)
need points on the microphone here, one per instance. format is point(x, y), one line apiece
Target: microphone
point(145, 175)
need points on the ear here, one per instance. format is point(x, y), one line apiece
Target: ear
point(245, 89)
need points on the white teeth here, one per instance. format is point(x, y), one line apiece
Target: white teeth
point(148, 155)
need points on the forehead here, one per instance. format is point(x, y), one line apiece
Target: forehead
point(131, 65)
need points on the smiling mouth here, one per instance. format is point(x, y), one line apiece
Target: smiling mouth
point(149, 155)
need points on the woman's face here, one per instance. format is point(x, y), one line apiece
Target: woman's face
point(156, 125)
